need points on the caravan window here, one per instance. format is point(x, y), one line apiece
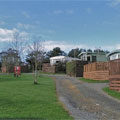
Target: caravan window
point(88, 58)
point(57, 61)
point(119, 55)
point(93, 58)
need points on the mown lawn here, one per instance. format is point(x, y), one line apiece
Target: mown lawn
point(20, 98)
point(93, 81)
point(112, 93)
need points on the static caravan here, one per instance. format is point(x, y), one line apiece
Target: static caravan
point(93, 57)
point(57, 59)
point(114, 55)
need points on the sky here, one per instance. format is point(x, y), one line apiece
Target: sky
point(66, 24)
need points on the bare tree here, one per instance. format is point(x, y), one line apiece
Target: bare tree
point(37, 50)
point(18, 43)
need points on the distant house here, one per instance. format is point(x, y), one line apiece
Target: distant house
point(93, 56)
point(114, 55)
point(57, 59)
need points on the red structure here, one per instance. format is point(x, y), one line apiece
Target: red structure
point(17, 70)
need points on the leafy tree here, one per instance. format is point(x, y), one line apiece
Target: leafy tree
point(101, 51)
point(89, 50)
point(9, 58)
point(55, 52)
point(75, 52)
point(0, 65)
point(0, 60)
point(106, 51)
point(46, 58)
point(31, 60)
point(82, 50)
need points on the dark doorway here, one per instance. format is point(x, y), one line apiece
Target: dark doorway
point(93, 58)
point(88, 58)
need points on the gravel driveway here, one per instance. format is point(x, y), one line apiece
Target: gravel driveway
point(86, 101)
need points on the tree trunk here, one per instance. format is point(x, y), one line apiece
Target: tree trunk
point(33, 69)
point(35, 79)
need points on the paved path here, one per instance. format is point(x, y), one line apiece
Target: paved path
point(86, 101)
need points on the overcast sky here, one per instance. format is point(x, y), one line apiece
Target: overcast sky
point(66, 24)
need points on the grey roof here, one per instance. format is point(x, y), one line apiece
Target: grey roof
point(113, 52)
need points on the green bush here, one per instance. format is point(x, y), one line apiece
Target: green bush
point(61, 67)
point(71, 68)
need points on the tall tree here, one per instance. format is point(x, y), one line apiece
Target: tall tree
point(75, 52)
point(55, 52)
point(9, 58)
point(101, 51)
point(31, 60)
point(89, 50)
point(0, 60)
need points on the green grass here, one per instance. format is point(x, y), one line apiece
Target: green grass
point(112, 93)
point(20, 98)
point(93, 81)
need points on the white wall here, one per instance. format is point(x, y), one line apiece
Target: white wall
point(54, 61)
point(115, 56)
point(62, 59)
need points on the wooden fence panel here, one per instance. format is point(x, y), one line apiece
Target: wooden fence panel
point(114, 71)
point(97, 71)
point(47, 68)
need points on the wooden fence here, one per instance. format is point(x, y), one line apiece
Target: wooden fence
point(96, 71)
point(114, 71)
point(48, 68)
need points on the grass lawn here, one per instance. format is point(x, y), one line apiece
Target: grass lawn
point(112, 93)
point(20, 98)
point(93, 81)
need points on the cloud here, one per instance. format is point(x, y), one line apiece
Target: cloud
point(24, 26)
point(69, 11)
point(108, 23)
point(111, 47)
point(51, 31)
point(89, 10)
point(5, 16)
point(114, 3)
point(118, 46)
point(49, 45)
point(2, 23)
point(57, 12)
point(6, 35)
point(25, 14)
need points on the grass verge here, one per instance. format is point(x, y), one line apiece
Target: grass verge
point(93, 81)
point(20, 98)
point(112, 93)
